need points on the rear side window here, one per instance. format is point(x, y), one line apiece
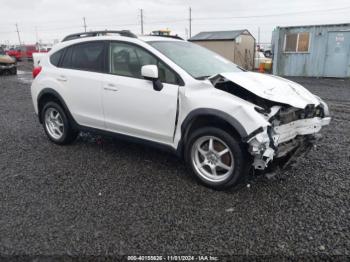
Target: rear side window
point(87, 56)
point(56, 57)
point(67, 58)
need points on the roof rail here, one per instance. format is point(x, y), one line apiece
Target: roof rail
point(169, 36)
point(126, 33)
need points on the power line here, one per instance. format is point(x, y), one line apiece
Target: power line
point(189, 20)
point(200, 18)
point(60, 28)
point(271, 15)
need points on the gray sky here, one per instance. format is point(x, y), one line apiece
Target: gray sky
point(56, 18)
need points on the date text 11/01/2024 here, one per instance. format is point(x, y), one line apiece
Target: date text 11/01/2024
point(173, 258)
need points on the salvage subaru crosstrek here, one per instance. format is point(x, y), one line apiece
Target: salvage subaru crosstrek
point(225, 122)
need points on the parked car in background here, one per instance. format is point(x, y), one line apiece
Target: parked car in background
point(224, 121)
point(261, 59)
point(25, 52)
point(7, 64)
point(29, 50)
point(268, 53)
point(15, 52)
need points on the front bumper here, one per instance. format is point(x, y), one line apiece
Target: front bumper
point(286, 142)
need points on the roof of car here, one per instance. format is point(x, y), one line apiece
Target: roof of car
point(143, 38)
point(80, 35)
point(118, 34)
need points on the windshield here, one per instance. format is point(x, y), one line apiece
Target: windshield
point(198, 61)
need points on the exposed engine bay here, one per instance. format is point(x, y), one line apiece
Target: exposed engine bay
point(291, 131)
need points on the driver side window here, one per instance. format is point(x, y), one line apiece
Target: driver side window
point(127, 60)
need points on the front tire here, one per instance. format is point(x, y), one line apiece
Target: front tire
point(56, 124)
point(217, 159)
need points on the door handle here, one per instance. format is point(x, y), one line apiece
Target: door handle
point(110, 87)
point(62, 78)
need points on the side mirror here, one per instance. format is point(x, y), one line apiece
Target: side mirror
point(150, 72)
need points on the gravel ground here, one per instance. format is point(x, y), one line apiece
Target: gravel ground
point(101, 196)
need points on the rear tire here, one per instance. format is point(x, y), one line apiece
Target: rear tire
point(217, 159)
point(57, 125)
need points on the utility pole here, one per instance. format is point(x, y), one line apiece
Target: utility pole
point(190, 21)
point(259, 37)
point(84, 23)
point(141, 14)
point(19, 38)
point(259, 47)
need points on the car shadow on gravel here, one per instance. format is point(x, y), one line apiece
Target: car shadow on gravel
point(152, 156)
point(135, 152)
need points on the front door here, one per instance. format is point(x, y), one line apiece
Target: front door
point(337, 62)
point(131, 105)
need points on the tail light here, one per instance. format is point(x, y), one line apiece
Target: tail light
point(36, 71)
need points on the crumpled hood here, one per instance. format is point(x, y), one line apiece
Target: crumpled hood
point(272, 88)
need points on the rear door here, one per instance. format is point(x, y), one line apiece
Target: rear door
point(81, 73)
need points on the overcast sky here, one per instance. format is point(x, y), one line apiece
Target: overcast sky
point(53, 19)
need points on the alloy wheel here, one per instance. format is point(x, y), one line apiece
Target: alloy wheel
point(54, 123)
point(212, 158)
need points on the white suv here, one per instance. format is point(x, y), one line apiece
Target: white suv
point(225, 122)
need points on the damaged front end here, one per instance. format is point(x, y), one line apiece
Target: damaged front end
point(294, 117)
point(291, 134)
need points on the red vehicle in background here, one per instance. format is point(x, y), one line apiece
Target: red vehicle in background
point(25, 52)
point(15, 52)
point(29, 50)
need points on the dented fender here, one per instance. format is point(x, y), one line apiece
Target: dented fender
point(209, 101)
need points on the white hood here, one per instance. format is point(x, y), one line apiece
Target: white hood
point(272, 88)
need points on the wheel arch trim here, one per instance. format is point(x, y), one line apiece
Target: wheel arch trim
point(200, 112)
point(193, 115)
